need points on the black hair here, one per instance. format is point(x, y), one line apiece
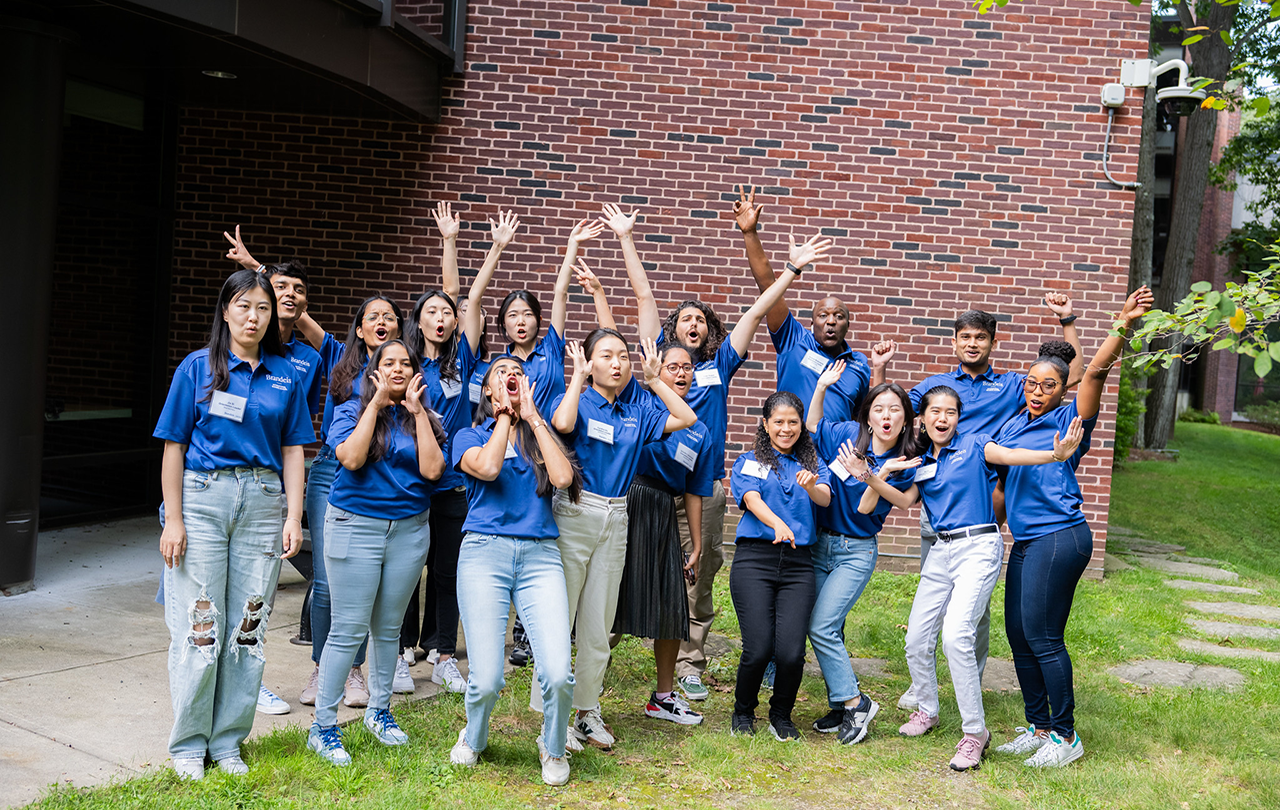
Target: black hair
point(594, 337)
point(526, 442)
point(668, 348)
point(417, 342)
point(482, 352)
point(923, 442)
point(906, 445)
point(977, 319)
point(1058, 354)
point(236, 285)
point(519, 295)
point(716, 333)
point(354, 357)
point(292, 268)
point(802, 451)
point(381, 442)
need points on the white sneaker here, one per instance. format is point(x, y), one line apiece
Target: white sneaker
point(571, 741)
point(447, 675)
point(408, 657)
point(1026, 742)
point(190, 769)
point(555, 770)
point(1056, 752)
point(271, 703)
point(233, 766)
point(461, 754)
point(909, 702)
point(590, 728)
point(432, 657)
point(402, 683)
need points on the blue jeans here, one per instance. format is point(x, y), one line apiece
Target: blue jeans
point(1039, 586)
point(373, 564)
point(234, 520)
point(319, 481)
point(842, 567)
point(493, 572)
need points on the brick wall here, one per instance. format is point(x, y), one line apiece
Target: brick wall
point(954, 158)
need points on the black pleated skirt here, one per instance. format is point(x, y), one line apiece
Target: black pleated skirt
point(651, 600)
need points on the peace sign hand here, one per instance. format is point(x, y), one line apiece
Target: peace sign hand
point(239, 253)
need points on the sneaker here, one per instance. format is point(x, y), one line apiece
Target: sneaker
point(233, 765)
point(770, 672)
point(447, 675)
point(1057, 752)
point(308, 696)
point(270, 703)
point(408, 656)
point(857, 721)
point(919, 725)
point(461, 753)
point(969, 751)
point(521, 655)
point(402, 683)
point(572, 743)
point(673, 708)
point(327, 742)
point(743, 725)
point(693, 688)
point(432, 657)
point(909, 702)
point(383, 726)
point(555, 770)
point(299, 641)
point(590, 728)
point(783, 729)
point(189, 769)
point(830, 721)
point(1026, 742)
point(356, 691)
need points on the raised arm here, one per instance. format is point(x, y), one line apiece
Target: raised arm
point(592, 286)
point(681, 416)
point(829, 377)
point(431, 461)
point(559, 467)
point(449, 224)
point(582, 232)
point(503, 231)
point(485, 463)
point(818, 492)
point(746, 215)
point(1062, 450)
point(881, 354)
point(1060, 304)
point(565, 419)
point(646, 306)
point(1089, 397)
point(802, 256)
point(353, 452)
point(238, 253)
point(310, 330)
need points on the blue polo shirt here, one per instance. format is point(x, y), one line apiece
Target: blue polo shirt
point(842, 516)
point(451, 400)
point(709, 396)
point(331, 351)
point(801, 360)
point(311, 371)
point(1044, 498)
point(275, 414)
point(682, 460)
point(545, 367)
point(508, 505)
point(989, 400)
point(780, 493)
point(959, 493)
point(391, 488)
point(476, 383)
point(608, 437)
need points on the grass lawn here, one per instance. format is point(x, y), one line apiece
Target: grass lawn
point(1146, 748)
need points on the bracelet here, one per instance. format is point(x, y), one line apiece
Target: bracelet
point(261, 267)
point(793, 268)
point(543, 423)
point(286, 520)
point(1067, 321)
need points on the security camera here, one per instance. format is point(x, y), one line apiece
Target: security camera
point(1181, 100)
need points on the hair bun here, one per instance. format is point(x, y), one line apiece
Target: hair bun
point(1060, 349)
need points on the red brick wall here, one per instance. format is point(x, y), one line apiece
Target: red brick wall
point(953, 157)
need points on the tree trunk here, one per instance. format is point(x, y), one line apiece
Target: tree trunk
point(1144, 225)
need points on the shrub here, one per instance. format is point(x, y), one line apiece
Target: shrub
point(1201, 417)
point(1130, 405)
point(1267, 413)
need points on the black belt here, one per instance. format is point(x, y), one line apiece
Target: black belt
point(968, 531)
point(654, 483)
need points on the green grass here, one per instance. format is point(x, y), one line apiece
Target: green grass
point(1146, 748)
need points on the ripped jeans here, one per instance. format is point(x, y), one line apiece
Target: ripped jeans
point(216, 605)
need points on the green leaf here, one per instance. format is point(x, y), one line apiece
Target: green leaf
point(1226, 306)
point(1219, 104)
point(1262, 104)
point(1201, 287)
point(1224, 343)
point(1226, 38)
point(1232, 85)
point(1212, 319)
point(1192, 39)
point(1274, 351)
point(1135, 344)
point(1275, 10)
point(1212, 299)
point(1262, 365)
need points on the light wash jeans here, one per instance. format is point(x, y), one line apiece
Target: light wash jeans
point(373, 565)
point(955, 590)
point(493, 572)
point(319, 482)
point(842, 567)
point(234, 520)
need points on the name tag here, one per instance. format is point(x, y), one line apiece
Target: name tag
point(451, 388)
point(838, 470)
point(755, 469)
point(439, 417)
point(707, 377)
point(474, 391)
point(686, 456)
point(511, 452)
point(815, 361)
point(228, 406)
point(600, 431)
point(925, 473)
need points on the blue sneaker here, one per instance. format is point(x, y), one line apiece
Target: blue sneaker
point(770, 672)
point(383, 726)
point(327, 742)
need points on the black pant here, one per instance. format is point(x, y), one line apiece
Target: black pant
point(440, 614)
point(773, 594)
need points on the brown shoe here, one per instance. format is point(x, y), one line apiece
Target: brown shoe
point(356, 691)
point(308, 697)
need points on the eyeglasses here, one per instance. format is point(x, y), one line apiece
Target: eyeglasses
point(386, 317)
point(674, 368)
point(1047, 386)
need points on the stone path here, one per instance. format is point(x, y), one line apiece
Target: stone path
point(1177, 673)
point(1227, 630)
point(1208, 587)
point(1239, 610)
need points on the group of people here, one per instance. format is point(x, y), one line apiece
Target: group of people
point(595, 505)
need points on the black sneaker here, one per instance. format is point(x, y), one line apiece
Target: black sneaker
point(783, 729)
point(744, 725)
point(521, 655)
point(857, 721)
point(830, 721)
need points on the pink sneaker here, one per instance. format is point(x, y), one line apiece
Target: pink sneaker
point(919, 725)
point(969, 751)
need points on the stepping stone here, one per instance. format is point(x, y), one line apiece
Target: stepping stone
point(1209, 587)
point(1239, 609)
point(1178, 674)
point(1206, 648)
point(1139, 546)
point(1234, 630)
point(1111, 563)
point(1000, 676)
point(1120, 531)
point(870, 667)
point(718, 646)
point(1186, 569)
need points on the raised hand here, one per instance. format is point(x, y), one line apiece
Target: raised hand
point(899, 464)
point(651, 363)
point(746, 214)
point(581, 368)
point(806, 253)
point(587, 280)
point(618, 222)
point(1139, 303)
point(382, 390)
point(413, 396)
point(502, 400)
point(525, 406)
point(1058, 303)
point(584, 231)
point(882, 353)
point(1064, 448)
point(831, 374)
point(239, 253)
point(504, 230)
point(852, 461)
point(448, 222)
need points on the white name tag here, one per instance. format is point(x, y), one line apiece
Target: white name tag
point(439, 417)
point(600, 431)
point(474, 391)
point(815, 362)
point(451, 388)
point(838, 469)
point(228, 406)
point(925, 473)
point(686, 456)
point(511, 451)
point(707, 377)
point(755, 469)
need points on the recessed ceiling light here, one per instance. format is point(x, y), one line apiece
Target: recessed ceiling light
point(218, 74)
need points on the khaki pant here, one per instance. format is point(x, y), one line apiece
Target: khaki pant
point(702, 610)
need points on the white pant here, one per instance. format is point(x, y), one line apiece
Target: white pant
point(955, 590)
